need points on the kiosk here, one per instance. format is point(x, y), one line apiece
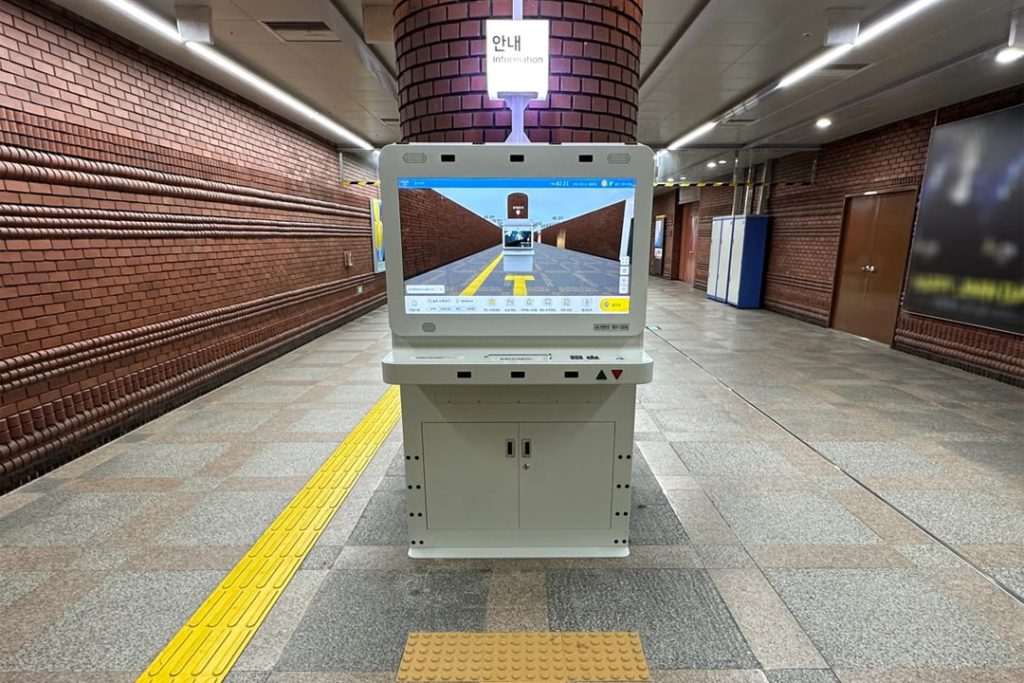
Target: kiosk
point(518, 387)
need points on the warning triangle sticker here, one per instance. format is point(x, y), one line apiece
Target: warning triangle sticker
point(601, 375)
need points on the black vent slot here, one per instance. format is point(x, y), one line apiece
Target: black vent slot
point(448, 158)
point(586, 158)
point(516, 158)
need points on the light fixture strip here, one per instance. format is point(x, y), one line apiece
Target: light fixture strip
point(168, 30)
point(693, 135)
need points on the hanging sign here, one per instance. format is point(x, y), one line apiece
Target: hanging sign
point(517, 57)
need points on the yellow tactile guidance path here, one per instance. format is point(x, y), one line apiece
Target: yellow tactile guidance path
point(210, 643)
point(523, 657)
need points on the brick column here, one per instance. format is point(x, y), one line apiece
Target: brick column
point(595, 71)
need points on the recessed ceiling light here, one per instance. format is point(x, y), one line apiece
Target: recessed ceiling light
point(721, 162)
point(671, 180)
point(1009, 54)
point(711, 164)
point(683, 178)
point(823, 122)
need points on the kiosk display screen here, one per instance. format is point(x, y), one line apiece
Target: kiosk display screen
point(516, 245)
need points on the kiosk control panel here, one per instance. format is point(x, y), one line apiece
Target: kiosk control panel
point(517, 291)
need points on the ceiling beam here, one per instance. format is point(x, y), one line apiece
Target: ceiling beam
point(353, 37)
point(703, 16)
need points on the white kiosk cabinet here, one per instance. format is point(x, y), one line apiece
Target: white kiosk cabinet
point(739, 246)
point(518, 380)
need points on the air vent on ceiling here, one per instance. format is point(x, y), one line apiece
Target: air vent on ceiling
point(736, 122)
point(303, 31)
point(392, 122)
point(838, 70)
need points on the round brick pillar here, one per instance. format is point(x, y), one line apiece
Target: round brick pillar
point(595, 71)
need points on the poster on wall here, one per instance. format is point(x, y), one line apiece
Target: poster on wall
point(377, 233)
point(657, 264)
point(967, 259)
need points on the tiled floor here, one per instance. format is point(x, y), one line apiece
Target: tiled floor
point(808, 507)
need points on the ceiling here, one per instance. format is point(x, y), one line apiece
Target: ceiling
point(699, 60)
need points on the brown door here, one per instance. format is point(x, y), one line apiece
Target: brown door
point(872, 260)
point(687, 231)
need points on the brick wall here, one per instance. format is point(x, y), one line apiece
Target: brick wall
point(665, 205)
point(715, 201)
point(807, 222)
point(598, 233)
point(437, 231)
point(159, 236)
point(595, 71)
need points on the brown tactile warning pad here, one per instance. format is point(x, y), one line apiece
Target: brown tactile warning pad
point(544, 657)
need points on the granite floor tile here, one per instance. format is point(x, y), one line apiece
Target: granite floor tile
point(140, 460)
point(962, 516)
point(887, 458)
point(57, 518)
point(681, 619)
point(789, 517)
point(887, 618)
point(286, 459)
point(226, 518)
point(752, 459)
point(359, 620)
point(106, 631)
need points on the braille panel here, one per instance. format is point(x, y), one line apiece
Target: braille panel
point(523, 657)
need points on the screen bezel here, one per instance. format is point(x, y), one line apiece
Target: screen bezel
point(516, 161)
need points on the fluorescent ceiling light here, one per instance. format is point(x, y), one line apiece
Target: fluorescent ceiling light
point(866, 35)
point(143, 16)
point(671, 180)
point(712, 164)
point(1009, 54)
point(693, 135)
point(823, 123)
point(722, 162)
point(887, 23)
point(819, 62)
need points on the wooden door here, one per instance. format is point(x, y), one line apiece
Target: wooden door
point(872, 262)
point(686, 229)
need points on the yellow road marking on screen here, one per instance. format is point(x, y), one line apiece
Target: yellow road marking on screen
point(523, 657)
point(518, 283)
point(209, 644)
point(471, 288)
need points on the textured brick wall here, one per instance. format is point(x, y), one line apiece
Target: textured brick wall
point(436, 231)
point(595, 71)
point(716, 201)
point(807, 222)
point(598, 233)
point(158, 236)
point(665, 205)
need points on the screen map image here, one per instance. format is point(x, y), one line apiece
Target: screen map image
point(516, 245)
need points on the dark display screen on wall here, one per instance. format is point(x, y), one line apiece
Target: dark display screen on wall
point(967, 262)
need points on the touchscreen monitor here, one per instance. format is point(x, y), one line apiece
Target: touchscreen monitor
point(516, 245)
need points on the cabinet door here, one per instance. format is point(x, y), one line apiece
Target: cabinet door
point(716, 238)
point(470, 479)
point(724, 255)
point(736, 261)
point(565, 475)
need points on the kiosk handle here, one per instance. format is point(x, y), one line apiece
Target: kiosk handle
point(526, 448)
point(510, 448)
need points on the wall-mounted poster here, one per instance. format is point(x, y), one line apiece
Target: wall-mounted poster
point(967, 261)
point(377, 232)
point(657, 264)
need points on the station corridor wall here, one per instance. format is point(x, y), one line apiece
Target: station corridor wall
point(437, 231)
point(158, 236)
point(598, 233)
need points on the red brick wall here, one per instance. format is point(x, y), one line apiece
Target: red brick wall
point(665, 205)
point(598, 233)
point(436, 231)
point(715, 201)
point(159, 236)
point(807, 222)
point(595, 71)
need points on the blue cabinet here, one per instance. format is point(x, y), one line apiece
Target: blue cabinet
point(739, 248)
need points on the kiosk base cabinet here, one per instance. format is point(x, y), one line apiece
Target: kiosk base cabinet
point(547, 478)
point(739, 247)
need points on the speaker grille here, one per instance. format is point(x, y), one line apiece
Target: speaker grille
point(414, 158)
point(619, 158)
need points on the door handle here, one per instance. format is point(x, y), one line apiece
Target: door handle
point(526, 448)
point(510, 448)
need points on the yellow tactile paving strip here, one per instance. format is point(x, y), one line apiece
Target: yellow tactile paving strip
point(206, 647)
point(522, 658)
